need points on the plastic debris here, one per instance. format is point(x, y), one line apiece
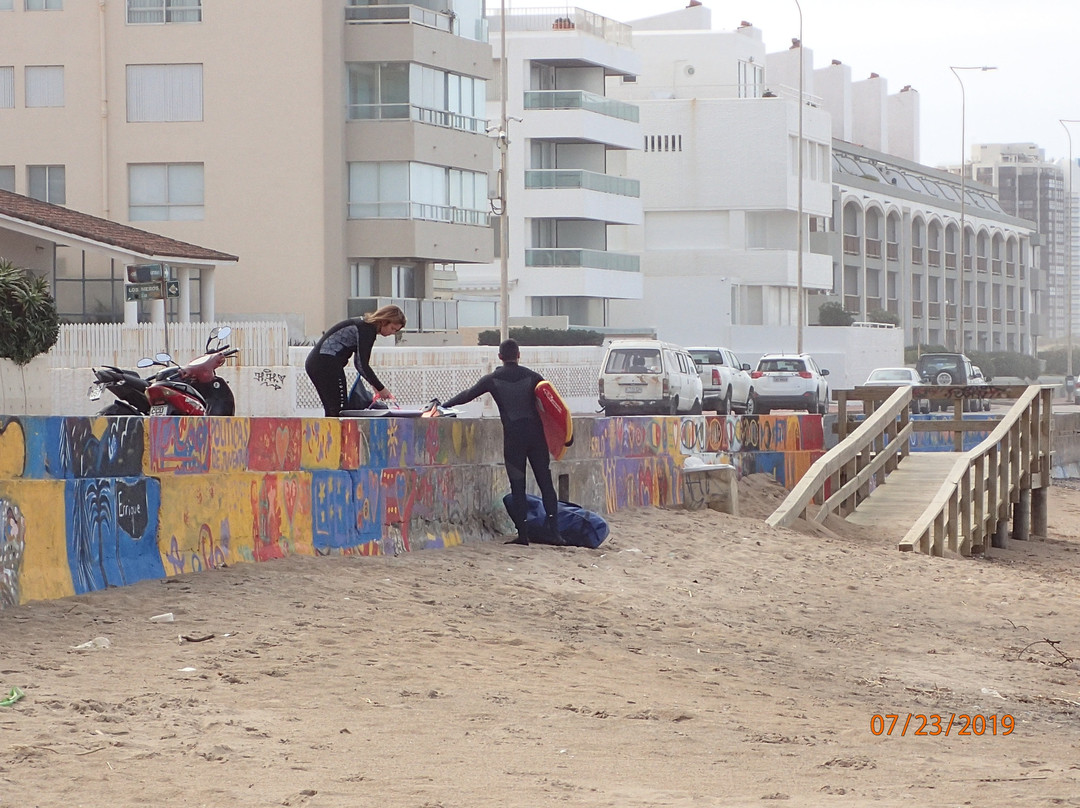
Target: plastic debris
point(168, 617)
point(97, 642)
point(13, 696)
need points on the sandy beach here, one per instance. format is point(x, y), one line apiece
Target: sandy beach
point(695, 659)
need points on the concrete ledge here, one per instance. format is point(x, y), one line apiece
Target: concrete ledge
point(710, 486)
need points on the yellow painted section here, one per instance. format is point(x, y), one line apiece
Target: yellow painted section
point(12, 451)
point(44, 572)
point(321, 448)
point(206, 520)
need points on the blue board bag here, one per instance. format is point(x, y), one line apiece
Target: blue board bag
point(579, 527)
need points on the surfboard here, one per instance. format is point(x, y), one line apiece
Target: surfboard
point(555, 416)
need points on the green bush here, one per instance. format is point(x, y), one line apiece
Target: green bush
point(834, 313)
point(883, 316)
point(29, 325)
point(1011, 363)
point(1056, 363)
point(912, 352)
point(544, 336)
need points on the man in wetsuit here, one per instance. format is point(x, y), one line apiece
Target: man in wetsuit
point(513, 388)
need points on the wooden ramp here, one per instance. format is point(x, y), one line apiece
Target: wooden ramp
point(894, 506)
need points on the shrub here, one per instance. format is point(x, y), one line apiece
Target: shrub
point(834, 313)
point(883, 316)
point(29, 325)
point(1056, 363)
point(544, 336)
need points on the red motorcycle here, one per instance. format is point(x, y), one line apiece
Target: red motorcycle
point(195, 388)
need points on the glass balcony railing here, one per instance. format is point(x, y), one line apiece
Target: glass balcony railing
point(577, 257)
point(419, 210)
point(376, 11)
point(551, 178)
point(404, 111)
point(581, 99)
point(422, 314)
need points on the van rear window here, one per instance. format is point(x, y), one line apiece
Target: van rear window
point(633, 360)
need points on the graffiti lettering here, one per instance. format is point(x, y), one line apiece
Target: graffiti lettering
point(268, 378)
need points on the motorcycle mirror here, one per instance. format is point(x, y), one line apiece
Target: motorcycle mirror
point(145, 362)
point(223, 332)
point(163, 357)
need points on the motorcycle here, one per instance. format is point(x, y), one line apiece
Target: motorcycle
point(128, 387)
point(195, 388)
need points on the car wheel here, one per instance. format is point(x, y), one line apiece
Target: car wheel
point(725, 406)
point(944, 377)
point(823, 407)
point(924, 407)
point(986, 405)
point(696, 409)
point(750, 407)
point(812, 404)
point(673, 409)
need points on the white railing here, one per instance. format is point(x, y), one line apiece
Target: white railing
point(84, 345)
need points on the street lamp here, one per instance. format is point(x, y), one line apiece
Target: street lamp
point(1068, 252)
point(504, 148)
point(799, 204)
point(963, 202)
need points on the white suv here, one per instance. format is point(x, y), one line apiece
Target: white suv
point(791, 382)
point(725, 381)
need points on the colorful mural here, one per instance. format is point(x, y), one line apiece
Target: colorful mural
point(90, 503)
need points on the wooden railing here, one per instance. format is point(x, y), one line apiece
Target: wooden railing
point(840, 479)
point(1011, 467)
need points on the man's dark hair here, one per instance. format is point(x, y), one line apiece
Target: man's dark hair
point(509, 351)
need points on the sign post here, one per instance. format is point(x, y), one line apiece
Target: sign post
point(151, 282)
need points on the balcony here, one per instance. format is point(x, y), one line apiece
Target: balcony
point(873, 248)
point(934, 309)
point(983, 314)
point(581, 99)
point(853, 304)
point(422, 314)
point(373, 11)
point(981, 264)
point(433, 117)
point(1010, 317)
point(935, 258)
point(419, 210)
point(968, 314)
point(1010, 269)
point(575, 257)
point(851, 245)
point(916, 308)
point(892, 251)
point(950, 260)
point(950, 312)
point(916, 255)
point(967, 262)
point(996, 266)
point(997, 316)
point(563, 178)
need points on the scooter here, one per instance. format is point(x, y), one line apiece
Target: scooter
point(195, 388)
point(128, 387)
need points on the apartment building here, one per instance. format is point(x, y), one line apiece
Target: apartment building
point(895, 241)
point(561, 196)
point(1033, 188)
point(719, 172)
point(338, 148)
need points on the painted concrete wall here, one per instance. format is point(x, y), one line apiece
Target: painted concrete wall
point(90, 502)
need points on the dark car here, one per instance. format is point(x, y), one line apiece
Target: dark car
point(951, 369)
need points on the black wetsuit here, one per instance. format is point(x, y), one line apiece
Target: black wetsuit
point(326, 362)
point(513, 388)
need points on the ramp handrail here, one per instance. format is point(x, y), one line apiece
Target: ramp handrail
point(868, 454)
point(973, 502)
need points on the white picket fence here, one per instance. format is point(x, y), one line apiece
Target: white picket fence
point(84, 345)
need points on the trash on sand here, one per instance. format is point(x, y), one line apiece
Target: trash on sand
point(185, 670)
point(13, 696)
point(97, 642)
point(168, 617)
point(193, 638)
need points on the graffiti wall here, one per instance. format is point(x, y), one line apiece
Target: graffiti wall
point(94, 502)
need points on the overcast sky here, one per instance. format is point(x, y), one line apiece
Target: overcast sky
point(1035, 44)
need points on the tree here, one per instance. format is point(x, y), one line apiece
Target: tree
point(29, 325)
point(834, 313)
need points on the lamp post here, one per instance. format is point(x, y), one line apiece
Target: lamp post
point(504, 222)
point(799, 204)
point(963, 203)
point(1068, 251)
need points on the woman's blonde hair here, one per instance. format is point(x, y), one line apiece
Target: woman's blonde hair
point(384, 315)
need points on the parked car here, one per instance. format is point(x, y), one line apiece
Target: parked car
point(951, 369)
point(790, 381)
point(649, 377)
point(898, 377)
point(725, 381)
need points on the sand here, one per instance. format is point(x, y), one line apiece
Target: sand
point(696, 659)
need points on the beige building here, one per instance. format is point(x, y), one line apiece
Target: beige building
point(337, 148)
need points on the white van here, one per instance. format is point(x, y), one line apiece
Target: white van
point(648, 377)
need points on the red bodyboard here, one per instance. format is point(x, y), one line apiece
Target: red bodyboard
point(555, 415)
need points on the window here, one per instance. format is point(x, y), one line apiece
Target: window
point(46, 183)
point(7, 178)
point(403, 280)
point(417, 191)
point(44, 85)
point(362, 279)
point(7, 87)
point(751, 79)
point(156, 12)
point(394, 90)
point(163, 192)
point(6, 5)
point(44, 5)
point(164, 93)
